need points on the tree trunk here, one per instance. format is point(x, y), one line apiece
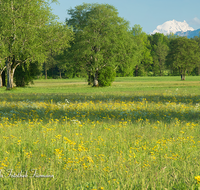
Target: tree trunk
point(136, 70)
point(45, 74)
point(96, 83)
point(60, 75)
point(182, 76)
point(1, 81)
point(160, 72)
point(10, 73)
point(45, 70)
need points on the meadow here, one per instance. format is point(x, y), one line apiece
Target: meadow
point(139, 133)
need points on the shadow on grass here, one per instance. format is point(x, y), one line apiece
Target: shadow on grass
point(82, 114)
point(75, 97)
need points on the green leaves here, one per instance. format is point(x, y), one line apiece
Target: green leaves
point(102, 38)
point(184, 54)
point(159, 50)
point(29, 32)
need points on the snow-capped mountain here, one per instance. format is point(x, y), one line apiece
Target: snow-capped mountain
point(173, 26)
point(189, 33)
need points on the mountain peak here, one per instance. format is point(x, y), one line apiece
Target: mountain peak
point(173, 26)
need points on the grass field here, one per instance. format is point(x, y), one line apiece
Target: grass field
point(140, 133)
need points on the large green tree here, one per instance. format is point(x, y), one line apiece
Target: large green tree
point(102, 40)
point(27, 29)
point(159, 51)
point(184, 55)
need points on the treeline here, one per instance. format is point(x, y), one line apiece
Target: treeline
point(94, 43)
point(154, 56)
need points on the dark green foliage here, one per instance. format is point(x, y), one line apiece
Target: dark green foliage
point(102, 40)
point(143, 55)
point(139, 71)
point(106, 76)
point(159, 51)
point(25, 74)
point(184, 55)
point(4, 78)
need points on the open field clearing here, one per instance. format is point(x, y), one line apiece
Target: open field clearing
point(140, 133)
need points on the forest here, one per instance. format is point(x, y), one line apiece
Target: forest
point(94, 43)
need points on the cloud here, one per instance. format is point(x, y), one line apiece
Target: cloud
point(194, 21)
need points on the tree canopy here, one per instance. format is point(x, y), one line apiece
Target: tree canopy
point(27, 30)
point(184, 55)
point(102, 39)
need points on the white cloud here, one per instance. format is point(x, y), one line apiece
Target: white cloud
point(194, 21)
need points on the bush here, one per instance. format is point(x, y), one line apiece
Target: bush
point(106, 76)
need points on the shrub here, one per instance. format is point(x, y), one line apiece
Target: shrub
point(106, 76)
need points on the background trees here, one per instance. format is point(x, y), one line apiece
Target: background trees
point(143, 56)
point(25, 74)
point(159, 50)
point(184, 55)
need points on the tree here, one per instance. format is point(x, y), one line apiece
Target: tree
point(184, 55)
point(26, 31)
point(159, 51)
point(102, 39)
point(143, 56)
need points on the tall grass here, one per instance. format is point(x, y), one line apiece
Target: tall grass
point(133, 135)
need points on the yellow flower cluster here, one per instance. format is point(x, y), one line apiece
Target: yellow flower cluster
point(118, 142)
point(197, 178)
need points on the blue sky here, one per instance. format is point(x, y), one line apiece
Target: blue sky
point(147, 13)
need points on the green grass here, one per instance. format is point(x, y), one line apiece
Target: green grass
point(121, 84)
point(156, 79)
point(140, 133)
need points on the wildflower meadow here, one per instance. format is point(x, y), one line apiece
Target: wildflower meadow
point(140, 133)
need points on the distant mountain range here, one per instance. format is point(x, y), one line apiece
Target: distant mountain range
point(178, 28)
point(189, 33)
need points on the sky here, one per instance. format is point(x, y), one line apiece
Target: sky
point(147, 13)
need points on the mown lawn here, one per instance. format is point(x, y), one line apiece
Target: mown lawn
point(140, 133)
